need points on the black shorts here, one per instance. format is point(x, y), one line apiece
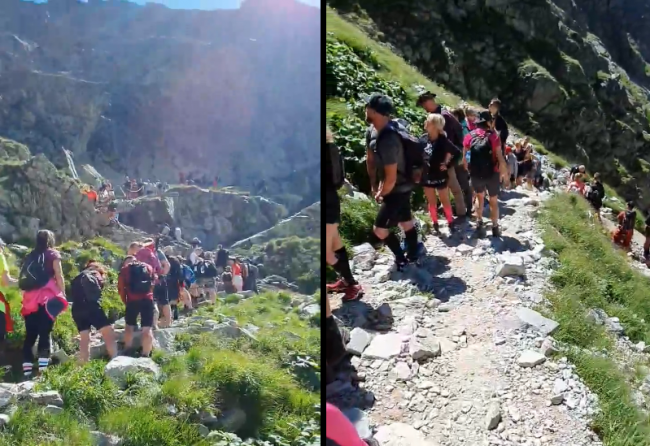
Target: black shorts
point(491, 184)
point(165, 295)
point(332, 207)
point(396, 208)
point(142, 308)
point(89, 314)
point(436, 184)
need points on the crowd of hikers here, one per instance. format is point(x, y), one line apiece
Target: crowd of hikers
point(461, 157)
point(151, 283)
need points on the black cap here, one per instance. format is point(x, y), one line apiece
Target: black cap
point(380, 103)
point(483, 116)
point(425, 97)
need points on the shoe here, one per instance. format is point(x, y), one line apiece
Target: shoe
point(436, 228)
point(337, 287)
point(401, 264)
point(496, 232)
point(453, 226)
point(352, 292)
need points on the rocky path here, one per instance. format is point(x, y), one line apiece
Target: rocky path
point(451, 354)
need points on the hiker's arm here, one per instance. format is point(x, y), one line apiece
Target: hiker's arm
point(120, 287)
point(370, 166)
point(58, 275)
point(389, 150)
point(390, 177)
point(503, 167)
point(7, 280)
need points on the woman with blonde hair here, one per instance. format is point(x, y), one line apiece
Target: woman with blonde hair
point(442, 154)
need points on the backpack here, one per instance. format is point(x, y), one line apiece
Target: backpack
point(140, 279)
point(206, 269)
point(32, 274)
point(188, 275)
point(629, 220)
point(334, 167)
point(85, 288)
point(482, 156)
point(175, 270)
point(593, 196)
point(416, 160)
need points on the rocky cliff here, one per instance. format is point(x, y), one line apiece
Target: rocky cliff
point(35, 195)
point(573, 74)
point(150, 91)
point(212, 216)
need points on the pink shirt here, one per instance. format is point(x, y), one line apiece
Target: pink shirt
point(146, 255)
point(339, 429)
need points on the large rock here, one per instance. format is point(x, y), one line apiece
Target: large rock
point(511, 265)
point(384, 346)
point(543, 324)
point(401, 434)
point(118, 368)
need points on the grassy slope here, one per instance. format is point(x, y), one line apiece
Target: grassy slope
point(207, 374)
point(592, 274)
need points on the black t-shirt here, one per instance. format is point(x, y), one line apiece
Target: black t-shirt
point(574, 170)
point(441, 151)
point(647, 220)
point(222, 258)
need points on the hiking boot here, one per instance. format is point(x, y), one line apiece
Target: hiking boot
point(401, 264)
point(495, 231)
point(337, 287)
point(352, 292)
point(436, 228)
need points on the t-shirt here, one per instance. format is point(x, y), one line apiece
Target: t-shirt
point(389, 151)
point(50, 256)
point(222, 258)
point(236, 270)
point(146, 255)
point(194, 258)
point(441, 151)
point(494, 141)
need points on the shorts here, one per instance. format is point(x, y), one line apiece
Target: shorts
point(396, 208)
point(332, 207)
point(89, 314)
point(436, 184)
point(490, 184)
point(207, 283)
point(144, 308)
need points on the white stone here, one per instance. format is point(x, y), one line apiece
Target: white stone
point(384, 346)
point(530, 358)
point(118, 368)
point(359, 340)
point(543, 324)
point(511, 265)
point(401, 434)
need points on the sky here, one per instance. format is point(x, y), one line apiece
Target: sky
point(198, 4)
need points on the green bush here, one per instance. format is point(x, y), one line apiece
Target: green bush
point(357, 218)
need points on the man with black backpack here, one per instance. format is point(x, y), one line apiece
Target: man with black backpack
point(86, 293)
point(624, 232)
point(135, 286)
point(335, 253)
point(488, 167)
point(596, 194)
point(222, 259)
point(392, 162)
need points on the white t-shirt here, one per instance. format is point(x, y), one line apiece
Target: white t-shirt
point(194, 257)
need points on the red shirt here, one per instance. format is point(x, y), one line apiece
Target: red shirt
point(492, 137)
point(123, 280)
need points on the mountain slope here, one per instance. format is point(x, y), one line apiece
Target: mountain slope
point(150, 91)
point(574, 74)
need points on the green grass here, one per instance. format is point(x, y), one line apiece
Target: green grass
point(207, 374)
point(593, 274)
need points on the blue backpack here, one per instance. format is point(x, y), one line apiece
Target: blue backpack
point(188, 275)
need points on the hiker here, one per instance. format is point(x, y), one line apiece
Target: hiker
point(86, 294)
point(500, 124)
point(596, 194)
point(156, 259)
point(458, 177)
point(222, 258)
point(7, 280)
point(576, 169)
point(526, 168)
point(169, 290)
point(390, 183)
point(196, 249)
point(487, 168)
point(624, 232)
point(43, 286)
point(237, 279)
point(335, 253)
point(577, 185)
point(513, 164)
point(443, 155)
point(250, 282)
point(135, 286)
point(226, 279)
point(205, 271)
point(189, 286)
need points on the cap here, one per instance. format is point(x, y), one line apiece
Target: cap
point(483, 116)
point(196, 241)
point(425, 97)
point(380, 103)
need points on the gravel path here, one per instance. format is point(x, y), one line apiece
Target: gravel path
point(470, 366)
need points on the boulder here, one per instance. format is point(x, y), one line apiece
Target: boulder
point(542, 324)
point(118, 368)
point(511, 265)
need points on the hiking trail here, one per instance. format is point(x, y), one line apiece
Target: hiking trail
point(472, 365)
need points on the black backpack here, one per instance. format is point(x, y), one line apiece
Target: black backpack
point(206, 269)
point(415, 157)
point(482, 156)
point(85, 288)
point(334, 167)
point(32, 274)
point(140, 280)
point(593, 196)
point(175, 270)
point(629, 219)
